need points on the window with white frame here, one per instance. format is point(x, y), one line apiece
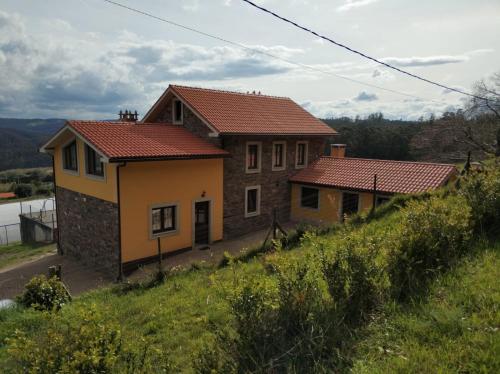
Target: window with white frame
point(253, 157)
point(252, 201)
point(301, 154)
point(163, 219)
point(309, 197)
point(93, 164)
point(70, 157)
point(279, 156)
point(177, 111)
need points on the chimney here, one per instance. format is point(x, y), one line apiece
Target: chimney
point(128, 116)
point(337, 150)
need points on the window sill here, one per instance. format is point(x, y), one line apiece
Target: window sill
point(280, 168)
point(96, 177)
point(250, 215)
point(252, 171)
point(300, 166)
point(75, 173)
point(162, 234)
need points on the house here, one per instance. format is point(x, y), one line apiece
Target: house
point(201, 166)
point(336, 186)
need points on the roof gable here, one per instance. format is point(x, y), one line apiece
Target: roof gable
point(240, 114)
point(358, 174)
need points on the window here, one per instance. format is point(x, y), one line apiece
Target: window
point(279, 156)
point(382, 200)
point(301, 155)
point(350, 203)
point(253, 157)
point(177, 111)
point(70, 158)
point(93, 163)
point(309, 197)
point(163, 220)
point(252, 201)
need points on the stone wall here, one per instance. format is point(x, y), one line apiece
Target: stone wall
point(88, 230)
point(275, 189)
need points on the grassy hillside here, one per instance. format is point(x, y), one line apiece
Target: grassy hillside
point(382, 292)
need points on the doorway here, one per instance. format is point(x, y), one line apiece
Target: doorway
point(202, 222)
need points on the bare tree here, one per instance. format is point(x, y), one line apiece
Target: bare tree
point(486, 103)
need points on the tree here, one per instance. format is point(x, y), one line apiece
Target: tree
point(23, 190)
point(486, 103)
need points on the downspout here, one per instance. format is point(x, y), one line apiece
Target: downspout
point(120, 264)
point(59, 248)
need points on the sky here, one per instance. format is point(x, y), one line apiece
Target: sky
point(87, 59)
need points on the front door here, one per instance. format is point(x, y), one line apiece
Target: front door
point(201, 222)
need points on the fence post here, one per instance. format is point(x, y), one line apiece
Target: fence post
point(6, 235)
point(374, 192)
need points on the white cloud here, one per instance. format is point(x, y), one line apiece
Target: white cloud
point(366, 96)
point(352, 4)
point(425, 61)
point(40, 77)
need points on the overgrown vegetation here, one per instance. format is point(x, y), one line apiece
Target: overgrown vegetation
point(26, 183)
point(314, 309)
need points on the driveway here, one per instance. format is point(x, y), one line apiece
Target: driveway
point(77, 277)
point(80, 278)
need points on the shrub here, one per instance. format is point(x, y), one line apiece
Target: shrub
point(47, 191)
point(23, 190)
point(432, 234)
point(352, 279)
point(482, 192)
point(92, 344)
point(44, 294)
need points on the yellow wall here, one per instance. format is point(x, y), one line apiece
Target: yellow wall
point(102, 189)
point(143, 184)
point(330, 201)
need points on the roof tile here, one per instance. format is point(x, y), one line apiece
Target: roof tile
point(358, 174)
point(239, 113)
point(126, 140)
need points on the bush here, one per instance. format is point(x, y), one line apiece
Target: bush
point(44, 294)
point(352, 278)
point(432, 235)
point(482, 192)
point(44, 191)
point(91, 345)
point(23, 190)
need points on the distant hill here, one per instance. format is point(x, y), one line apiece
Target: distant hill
point(20, 140)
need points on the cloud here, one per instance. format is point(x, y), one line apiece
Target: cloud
point(352, 4)
point(425, 61)
point(365, 96)
point(41, 78)
point(410, 109)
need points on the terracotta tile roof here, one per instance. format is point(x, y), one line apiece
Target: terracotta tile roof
point(239, 113)
point(126, 140)
point(392, 176)
point(7, 195)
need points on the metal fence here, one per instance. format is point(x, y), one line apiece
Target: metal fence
point(10, 233)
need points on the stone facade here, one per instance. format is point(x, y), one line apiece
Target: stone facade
point(89, 231)
point(275, 191)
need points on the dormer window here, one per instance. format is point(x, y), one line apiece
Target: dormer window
point(177, 111)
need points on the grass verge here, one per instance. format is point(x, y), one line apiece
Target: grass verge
point(14, 254)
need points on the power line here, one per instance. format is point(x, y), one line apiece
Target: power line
point(255, 50)
point(361, 53)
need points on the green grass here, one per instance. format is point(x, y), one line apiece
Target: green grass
point(456, 329)
point(428, 335)
point(17, 253)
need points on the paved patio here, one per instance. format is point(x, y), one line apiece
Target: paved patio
point(80, 278)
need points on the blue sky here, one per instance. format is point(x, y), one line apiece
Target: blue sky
point(88, 59)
